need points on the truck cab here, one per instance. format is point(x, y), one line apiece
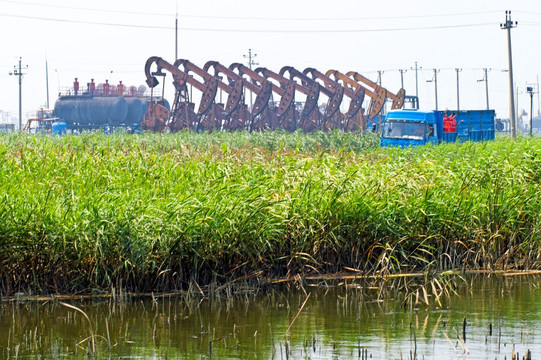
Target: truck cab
point(410, 127)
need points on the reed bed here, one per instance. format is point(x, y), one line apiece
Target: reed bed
point(156, 212)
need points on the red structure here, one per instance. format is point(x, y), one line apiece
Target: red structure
point(76, 86)
point(120, 88)
point(449, 124)
point(92, 86)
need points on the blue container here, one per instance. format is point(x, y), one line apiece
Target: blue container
point(58, 128)
point(475, 125)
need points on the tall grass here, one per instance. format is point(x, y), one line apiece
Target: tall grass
point(155, 211)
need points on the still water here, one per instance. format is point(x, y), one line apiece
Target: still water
point(478, 317)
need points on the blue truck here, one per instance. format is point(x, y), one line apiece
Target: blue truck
point(411, 127)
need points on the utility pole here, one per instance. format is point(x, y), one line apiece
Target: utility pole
point(457, 90)
point(516, 106)
point(47, 81)
point(384, 110)
point(538, 102)
point(529, 89)
point(402, 71)
point(20, 74)
point(416, 79)
point(435, 80)
point(508, 25)
point(251, 62)
point(485, 79)
point(379, 76)
point(176, 35)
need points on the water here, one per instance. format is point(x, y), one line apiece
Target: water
point(347, 320)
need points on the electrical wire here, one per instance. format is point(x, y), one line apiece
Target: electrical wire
point(254, 18)
point(249, 30)
point(527, 13)
point(530, 23)
point(85, 8)
point(86, 22)
point(340, 19)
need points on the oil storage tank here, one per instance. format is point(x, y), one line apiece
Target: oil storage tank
point(137, 108)
point(88, 112)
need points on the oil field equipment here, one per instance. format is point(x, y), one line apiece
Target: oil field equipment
point(262, 84)
point(107, 106)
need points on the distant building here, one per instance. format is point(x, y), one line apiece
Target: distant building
point(7, 128)
point(536, 125)
point(7, 122)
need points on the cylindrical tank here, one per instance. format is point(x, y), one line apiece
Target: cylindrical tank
point(91, 111)
point(136, 109)
point(166, 104)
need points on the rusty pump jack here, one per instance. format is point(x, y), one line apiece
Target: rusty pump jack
point(218, 113)
point(310, 112)
point(335, 97)
point(290, 86)
point(262, 89)
point(236, 110)
point(379, 94)
point(287, 97)
point(156, 115)
point(180, 117)
point(356, 96)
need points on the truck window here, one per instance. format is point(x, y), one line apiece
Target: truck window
point(430, 130)
point(400, 129)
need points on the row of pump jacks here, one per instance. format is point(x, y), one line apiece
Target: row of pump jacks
point(265, 112)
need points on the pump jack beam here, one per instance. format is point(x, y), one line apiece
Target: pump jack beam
point(262, 91)
point(311, 92)
point(335, 95)
point(398, 99)
point(287, 94)
point(357, 96)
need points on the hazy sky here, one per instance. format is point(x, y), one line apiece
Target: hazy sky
point(113, 39)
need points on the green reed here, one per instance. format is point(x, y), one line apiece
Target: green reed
point(157, 211)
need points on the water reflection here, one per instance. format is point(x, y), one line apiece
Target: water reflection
point(477, 317)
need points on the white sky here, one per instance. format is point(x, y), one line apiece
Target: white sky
point(91, 39)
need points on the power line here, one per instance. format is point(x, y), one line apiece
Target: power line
point(248, 17)
point(87, 22)
point(85, 8)
point(340, 19)
point(531, 23)
point(248, 30)
point(528, 13)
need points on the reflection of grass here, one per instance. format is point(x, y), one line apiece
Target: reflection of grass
point(152, 212)
point(342, 317)
point(91, 337)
